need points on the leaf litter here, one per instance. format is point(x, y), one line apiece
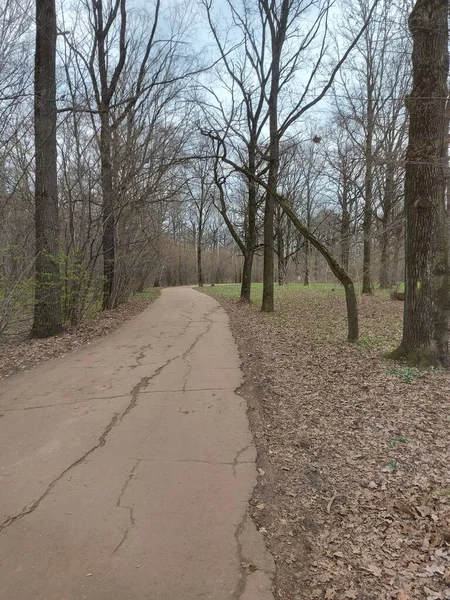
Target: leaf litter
point(353, 497)
point(18, 354)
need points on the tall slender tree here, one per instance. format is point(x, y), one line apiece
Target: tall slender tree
point(47, 306)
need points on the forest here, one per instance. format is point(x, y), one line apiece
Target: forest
point(160, 144)
point(272, 176)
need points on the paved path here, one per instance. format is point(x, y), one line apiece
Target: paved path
point(126, 467)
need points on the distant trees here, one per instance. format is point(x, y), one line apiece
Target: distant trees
point(266, 31)
point(370, 105)
point(115, 192)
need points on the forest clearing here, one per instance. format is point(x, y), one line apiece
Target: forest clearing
point(353, 455)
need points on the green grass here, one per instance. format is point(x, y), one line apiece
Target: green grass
point(369, 342)
point(406, 374)
point(233, 290)
point(148, 294)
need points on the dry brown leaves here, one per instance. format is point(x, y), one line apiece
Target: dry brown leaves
point(21, 354)
point(354, 489)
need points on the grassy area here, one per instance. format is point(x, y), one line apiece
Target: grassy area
point(148, 294)
point(321, 309)
point(232, 290)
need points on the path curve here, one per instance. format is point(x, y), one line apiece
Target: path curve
point(127, 466)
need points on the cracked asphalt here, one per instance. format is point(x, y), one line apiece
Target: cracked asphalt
point(126, 467)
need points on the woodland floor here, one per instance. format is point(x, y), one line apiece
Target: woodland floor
point(20, 353)
point(354, 453)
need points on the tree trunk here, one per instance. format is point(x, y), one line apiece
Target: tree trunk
point(345, 227)
point(368, 192)
point(199, 255)
point(247, 276)
point(278, 39)
point(47, 304)
point(280, 249)
point(427, 281)
point(108, 220)
point(388, 204)
point(384, 258)
point(269, 210)
point(250, 241)
point(306, 280)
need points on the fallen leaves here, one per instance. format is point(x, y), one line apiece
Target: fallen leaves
point(356, 494)
point(22, 354)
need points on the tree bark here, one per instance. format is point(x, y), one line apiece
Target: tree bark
point(388, 204)
point(247, 276)
point(280, 247)
point(306, 278)
point(368, 193)
point(108, 220)
point(278, 28)
point(250, 238)
point(47, 304)
point(384, 258)
point(199, 252)
point(269, 212)
point(427, 281)
point(345, 226)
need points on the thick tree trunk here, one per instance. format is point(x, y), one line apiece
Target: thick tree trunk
point(247, 276)
point(108, 220)
point(278, 38)
point(269, 211)
point(47, 304)
point(427, 282)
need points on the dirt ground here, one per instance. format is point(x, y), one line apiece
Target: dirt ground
point(353, 496)
point(20, 353)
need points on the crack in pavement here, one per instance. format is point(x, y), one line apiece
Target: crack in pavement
point(129, 508)
point(244, 561)
point(236, 462)
point(213, 463)
point(240, 589)
point(141, 357)
point(197, 339)
point(64, 403)
point(31, 507)
point(116, 418)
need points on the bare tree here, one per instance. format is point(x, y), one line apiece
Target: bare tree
point(245, 67)
point(200, 188)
